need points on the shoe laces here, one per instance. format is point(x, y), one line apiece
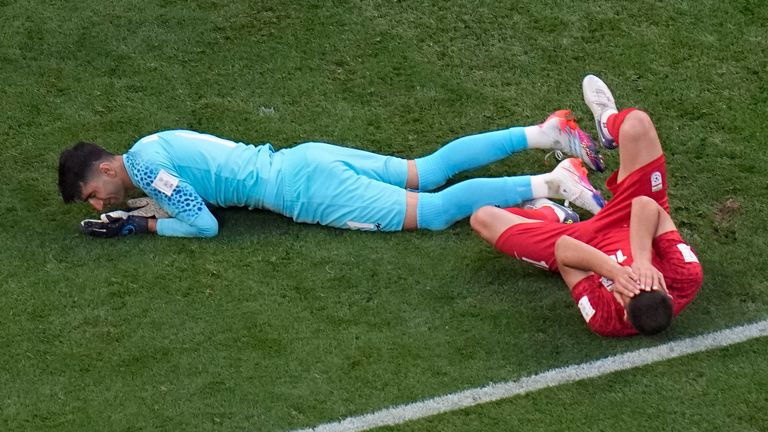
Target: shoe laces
point(558, 154)
point(572, 147)
point(602, 99)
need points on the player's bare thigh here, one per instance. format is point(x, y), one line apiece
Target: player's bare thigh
point(490, 222)
point(639, 143)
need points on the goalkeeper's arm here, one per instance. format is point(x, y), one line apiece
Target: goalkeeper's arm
point(120, 224)
point(146, 216)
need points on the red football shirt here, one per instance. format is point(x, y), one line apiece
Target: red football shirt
point(671, 255)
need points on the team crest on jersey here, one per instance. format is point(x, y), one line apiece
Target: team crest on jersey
point(656, 182)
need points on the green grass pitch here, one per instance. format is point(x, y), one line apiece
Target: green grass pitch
point(275, 326)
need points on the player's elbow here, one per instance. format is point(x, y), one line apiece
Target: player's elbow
point(206, 225)
point(209, 230)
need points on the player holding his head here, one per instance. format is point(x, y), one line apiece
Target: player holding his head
point(628, 269)
point(185, 172)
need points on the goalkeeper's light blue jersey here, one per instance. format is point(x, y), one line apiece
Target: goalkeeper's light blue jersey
point(184, 170)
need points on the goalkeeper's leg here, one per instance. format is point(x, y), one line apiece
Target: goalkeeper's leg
point(559, 132)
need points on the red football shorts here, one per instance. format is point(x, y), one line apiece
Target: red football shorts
point(535, 242)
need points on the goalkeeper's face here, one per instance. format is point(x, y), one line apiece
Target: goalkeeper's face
point(103, 191)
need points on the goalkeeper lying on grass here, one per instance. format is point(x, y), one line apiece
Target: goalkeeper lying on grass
point(185, 172)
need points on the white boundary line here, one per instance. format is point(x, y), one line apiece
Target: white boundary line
point(493, 392)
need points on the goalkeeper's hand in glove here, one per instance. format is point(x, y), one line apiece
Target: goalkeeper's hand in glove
point(144, 207)
point(114, 226)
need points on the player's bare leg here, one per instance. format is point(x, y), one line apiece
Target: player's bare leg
point(639, 142)
point(631, 130)
point(411, 221)
point(490, 222)
point(412, 181)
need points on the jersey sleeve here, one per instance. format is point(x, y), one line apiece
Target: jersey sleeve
point(680, 266)
point(205, 225)
point(603, 314)
point(190, 216)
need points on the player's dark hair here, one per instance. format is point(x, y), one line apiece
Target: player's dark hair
point(650, 312)
point(76, 166)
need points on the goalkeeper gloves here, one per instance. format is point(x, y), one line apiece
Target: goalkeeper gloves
point(111, 226)
point(125, 222)
point(145, 207)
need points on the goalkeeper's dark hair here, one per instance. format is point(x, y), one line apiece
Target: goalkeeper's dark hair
point(650, 312)
point(76, 166)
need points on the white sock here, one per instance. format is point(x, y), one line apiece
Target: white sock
point(540, 185)
point(537, 138)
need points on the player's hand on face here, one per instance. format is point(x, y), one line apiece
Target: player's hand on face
point(649, 277)
point(625, 282)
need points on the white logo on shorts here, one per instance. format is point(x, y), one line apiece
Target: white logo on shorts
point(363, 226)
point(539, 264)
point(656, 182)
